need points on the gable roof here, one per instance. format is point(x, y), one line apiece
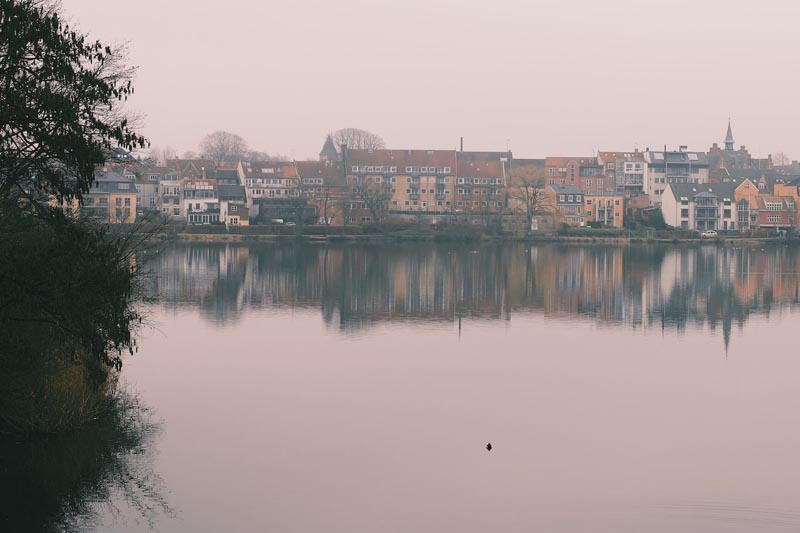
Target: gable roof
point(690, 190)
point(332, 174)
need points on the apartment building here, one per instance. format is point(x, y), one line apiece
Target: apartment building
point(608, 210)
point(672, 167)
point(568, 201)
point(111, 199)
point(200, 201)
point(586, 173)
point(700, 206)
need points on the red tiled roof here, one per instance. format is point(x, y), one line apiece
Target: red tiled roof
point(471, 169)
point(562, 162)
point(332, 174)
point(401, 158)
point(280, 169)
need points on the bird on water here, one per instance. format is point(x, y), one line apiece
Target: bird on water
point(489, 447)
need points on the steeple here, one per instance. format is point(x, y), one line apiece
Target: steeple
point(329, 152)
point(729, 138)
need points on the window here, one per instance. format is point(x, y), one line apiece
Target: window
point(560, 197)
point(127, 201)
point(589, 201)
point(571, 198)
point(600, 184)
point(579, 198)
point(773, 218)
point(118, 201)
point(588, 183)
point(123, 186)
point(552, 171)
point(685, 213)
point(616, 202)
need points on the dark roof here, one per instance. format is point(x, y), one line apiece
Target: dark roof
point(677, 157)
point(689, 190)
point(565, 189)
point(230, 192)
point(329, 149)
point(751, 173)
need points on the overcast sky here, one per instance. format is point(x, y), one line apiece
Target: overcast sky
point(546, 77)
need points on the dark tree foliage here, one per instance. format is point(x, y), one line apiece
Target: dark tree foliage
point(68, 287)
point(59, 109)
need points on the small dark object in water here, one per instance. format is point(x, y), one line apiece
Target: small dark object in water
point(489, 447)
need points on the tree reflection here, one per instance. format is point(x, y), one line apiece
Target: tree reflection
point(68, 482)
point(354, 286)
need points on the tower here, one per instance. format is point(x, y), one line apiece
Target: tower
point(329, 152)
point(729, 138)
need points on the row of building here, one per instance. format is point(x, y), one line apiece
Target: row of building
point(356, 186)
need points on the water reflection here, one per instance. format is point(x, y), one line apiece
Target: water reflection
point(72, 482)
point(354, 286)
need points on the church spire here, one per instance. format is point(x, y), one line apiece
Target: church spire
point(729, 138)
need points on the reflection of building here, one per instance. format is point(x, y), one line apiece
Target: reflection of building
point(355, 286)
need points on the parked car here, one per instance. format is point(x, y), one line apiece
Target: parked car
point(708, 234)
point(291, 224)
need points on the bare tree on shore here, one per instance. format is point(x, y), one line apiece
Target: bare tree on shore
point(375, 196)
point(526, 193)
point(223, 146)
point(357, 139)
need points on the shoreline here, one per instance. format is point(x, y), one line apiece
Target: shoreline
point(426, 238)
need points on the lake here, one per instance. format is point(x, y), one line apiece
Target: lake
point(342, 388)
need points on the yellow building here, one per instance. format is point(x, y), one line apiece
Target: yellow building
point(746, 194)
point(111, 199)
point(608, 210)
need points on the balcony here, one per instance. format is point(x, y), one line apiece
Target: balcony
point(706, 214)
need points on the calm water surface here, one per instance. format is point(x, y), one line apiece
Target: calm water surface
point(347, 388)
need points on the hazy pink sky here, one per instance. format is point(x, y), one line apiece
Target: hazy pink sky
point(548, 77)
